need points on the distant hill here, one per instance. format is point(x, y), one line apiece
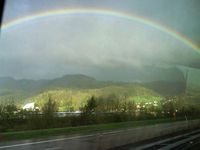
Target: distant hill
point(23, 89)
point(167, 88)
point(70, 91)
point(141, 74)
point(128, 75)
point(67, 81)
point(76, 81)
point(12, 89)
point(194, 80)
point(75, 98)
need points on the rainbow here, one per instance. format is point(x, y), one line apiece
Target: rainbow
point(127, 16)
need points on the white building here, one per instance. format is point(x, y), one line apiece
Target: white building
point(29, 106)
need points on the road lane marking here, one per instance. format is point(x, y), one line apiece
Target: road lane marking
point(61, 139)
point(54, 148)
point(42, 142)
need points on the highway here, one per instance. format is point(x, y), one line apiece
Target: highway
point(184, 141)
point(99, 141)
point(113, 139)
point(86, 142)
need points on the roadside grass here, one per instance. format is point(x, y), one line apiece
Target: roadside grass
point(80, 130)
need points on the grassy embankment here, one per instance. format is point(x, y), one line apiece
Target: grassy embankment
point(89, 129)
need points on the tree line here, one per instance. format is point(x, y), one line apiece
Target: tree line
point(97, 110)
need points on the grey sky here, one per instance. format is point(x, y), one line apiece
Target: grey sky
point(88, 43)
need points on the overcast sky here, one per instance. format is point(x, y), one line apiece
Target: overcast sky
point(91, 44)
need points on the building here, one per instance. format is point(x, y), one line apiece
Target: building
point(30, 106)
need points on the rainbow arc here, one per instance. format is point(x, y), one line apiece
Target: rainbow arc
point(127, 16)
